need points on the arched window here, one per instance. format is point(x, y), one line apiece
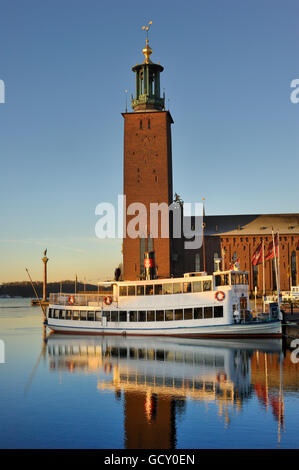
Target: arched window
point(293, 269)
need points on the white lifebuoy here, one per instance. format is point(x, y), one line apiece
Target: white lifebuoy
point(108, 300)
point(71, 300)
point(220, 295)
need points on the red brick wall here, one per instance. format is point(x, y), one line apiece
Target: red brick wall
point(244, 247)
point(147, 178)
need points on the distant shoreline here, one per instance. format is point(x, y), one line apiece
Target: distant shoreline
point(24, 289)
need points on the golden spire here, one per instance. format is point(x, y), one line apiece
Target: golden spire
point(147, 50)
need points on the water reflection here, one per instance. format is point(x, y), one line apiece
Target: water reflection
point(156, 378)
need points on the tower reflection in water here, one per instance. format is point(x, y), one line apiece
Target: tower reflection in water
point(158, 376)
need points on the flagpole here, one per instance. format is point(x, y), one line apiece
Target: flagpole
point(278, 268)
point(276, 273)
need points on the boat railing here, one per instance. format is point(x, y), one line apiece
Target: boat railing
point(83, 300)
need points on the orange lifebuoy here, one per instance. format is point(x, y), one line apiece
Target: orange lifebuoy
point(71, 300)
point(220, 295)
point(108, 300)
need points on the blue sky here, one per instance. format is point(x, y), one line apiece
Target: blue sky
point(66, 64)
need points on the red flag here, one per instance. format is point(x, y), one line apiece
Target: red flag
point(270, 253)
point(257, 256)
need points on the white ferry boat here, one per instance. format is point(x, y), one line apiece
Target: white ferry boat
point(197, 305)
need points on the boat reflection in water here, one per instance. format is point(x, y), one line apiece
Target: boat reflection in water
point(158, 376)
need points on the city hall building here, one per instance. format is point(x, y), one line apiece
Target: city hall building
point(148, 179)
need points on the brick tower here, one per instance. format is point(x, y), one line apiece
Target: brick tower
point(147, 167)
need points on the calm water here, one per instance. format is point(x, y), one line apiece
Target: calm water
point(115, 393)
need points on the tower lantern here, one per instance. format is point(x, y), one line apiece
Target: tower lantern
point(148, 82)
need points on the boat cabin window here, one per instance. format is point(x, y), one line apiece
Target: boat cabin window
point(75, 315)
point(106, 314)
point(123, 290)
point(131, 290)
point(208, 312)
point(168, 315)
point(151, 315)
point(197, 286)
point(140, 290)
point(83, 315)
point(177, 288)
point(133, 316)
point(197, 313)
point(142, 316)
point(160, 315)
point(187, 313)
point(221, 280)
point(149, 289)
point(167, 288)
point(178, 314)
point(218, 311)
point(122, 316)
point(187, 287)
point(158, 289)
point(68, 314)
point(207, 285)
point(90, 315)
point(62, 314)
point(98, 316)
point(114, 316)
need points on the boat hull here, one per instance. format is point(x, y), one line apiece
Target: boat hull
point(266, 329)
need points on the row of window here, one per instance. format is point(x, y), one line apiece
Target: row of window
point(169, 288)
point(234, 278)
point(148, 124)
point(139, 315)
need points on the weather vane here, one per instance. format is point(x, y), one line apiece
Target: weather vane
point(146, 29)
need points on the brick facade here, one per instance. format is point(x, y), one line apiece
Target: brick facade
point(147, 179)
point(231, 244)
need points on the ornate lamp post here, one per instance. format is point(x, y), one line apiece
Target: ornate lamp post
point(45, 260)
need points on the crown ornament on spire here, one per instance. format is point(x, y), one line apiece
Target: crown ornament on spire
point(147, 50)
